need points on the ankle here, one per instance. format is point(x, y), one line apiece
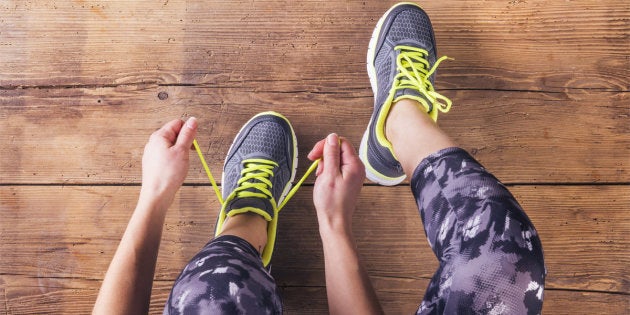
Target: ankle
point(398, 118)
point(413, 134)
point(248, 226)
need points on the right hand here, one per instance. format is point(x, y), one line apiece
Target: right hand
point(339, 180)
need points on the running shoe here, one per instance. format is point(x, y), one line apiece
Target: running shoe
point(401, 64)
point(258, 171)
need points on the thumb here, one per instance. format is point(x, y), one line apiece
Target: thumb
point(187, 133)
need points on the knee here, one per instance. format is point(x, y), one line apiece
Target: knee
point(497, 283)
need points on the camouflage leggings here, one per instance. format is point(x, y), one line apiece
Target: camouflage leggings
point(226, 277)
point(491, 259)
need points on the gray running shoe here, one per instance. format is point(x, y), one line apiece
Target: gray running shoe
point(401, 64)
point(258, 171)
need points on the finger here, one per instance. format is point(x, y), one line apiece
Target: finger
point(169, 131)
point(320, 168)
point(348, 152)
point(331, 154)
point(187, 133)
point(350, 161)
point(317, 151)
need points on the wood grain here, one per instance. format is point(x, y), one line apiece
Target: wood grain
point(87, 136)
point(318, 45)
point(540, 91)
point(27, 295)
point(59, 235)
point(403, 302)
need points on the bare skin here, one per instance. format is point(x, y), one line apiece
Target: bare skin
point(339, 180)
point(413, 134)
point(127, 285)
point(248, 226)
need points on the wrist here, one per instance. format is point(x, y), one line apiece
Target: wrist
point(335, 229)
point(155, 199)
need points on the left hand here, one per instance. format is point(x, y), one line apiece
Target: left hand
point(166, 159)
point(340, 176)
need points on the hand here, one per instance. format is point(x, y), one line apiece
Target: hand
point(166, 158)
point(340, 177)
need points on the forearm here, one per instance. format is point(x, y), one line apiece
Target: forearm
point(127, 285)
point(346, 279)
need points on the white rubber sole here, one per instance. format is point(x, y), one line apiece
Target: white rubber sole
point(372, 174)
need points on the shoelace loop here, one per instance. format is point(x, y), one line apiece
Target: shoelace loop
point(261, 170)
point(255, 176)
point(414, 73)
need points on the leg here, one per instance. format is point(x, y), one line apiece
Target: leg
point(226, 277)
point(248, 226)
point(490, 255)
point(420, 136)
point(491, 259)
point(229, 276)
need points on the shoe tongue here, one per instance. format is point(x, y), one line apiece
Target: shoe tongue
point(405, 93)
point(250, 202)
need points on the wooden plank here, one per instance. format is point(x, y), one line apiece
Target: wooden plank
point(29, 295)
point(309, 45)
point(79, 96)
point(3, 297)
point(73, 233)
point(579, 222)
point(313, 301)
point(96, 135)
point(43, 295)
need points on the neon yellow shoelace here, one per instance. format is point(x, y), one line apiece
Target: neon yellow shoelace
point(414, 73)
point(259, 169)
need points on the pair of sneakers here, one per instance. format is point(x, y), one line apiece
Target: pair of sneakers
point(261, 163)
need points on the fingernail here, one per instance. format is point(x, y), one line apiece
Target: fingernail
point(191, 122)
point(332, 139)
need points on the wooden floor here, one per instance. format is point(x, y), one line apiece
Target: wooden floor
point(541, 98)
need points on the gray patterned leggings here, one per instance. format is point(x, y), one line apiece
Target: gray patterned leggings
point(491, 259)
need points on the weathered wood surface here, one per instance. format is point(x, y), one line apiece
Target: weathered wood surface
point(97, 135)
point(28, 295)
point(310, 45)
point(56, 236)
point(541, 97)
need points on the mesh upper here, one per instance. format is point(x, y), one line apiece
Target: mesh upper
point(270, 138)
point(411, 27)
point(405, 25)
point(412, 24)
